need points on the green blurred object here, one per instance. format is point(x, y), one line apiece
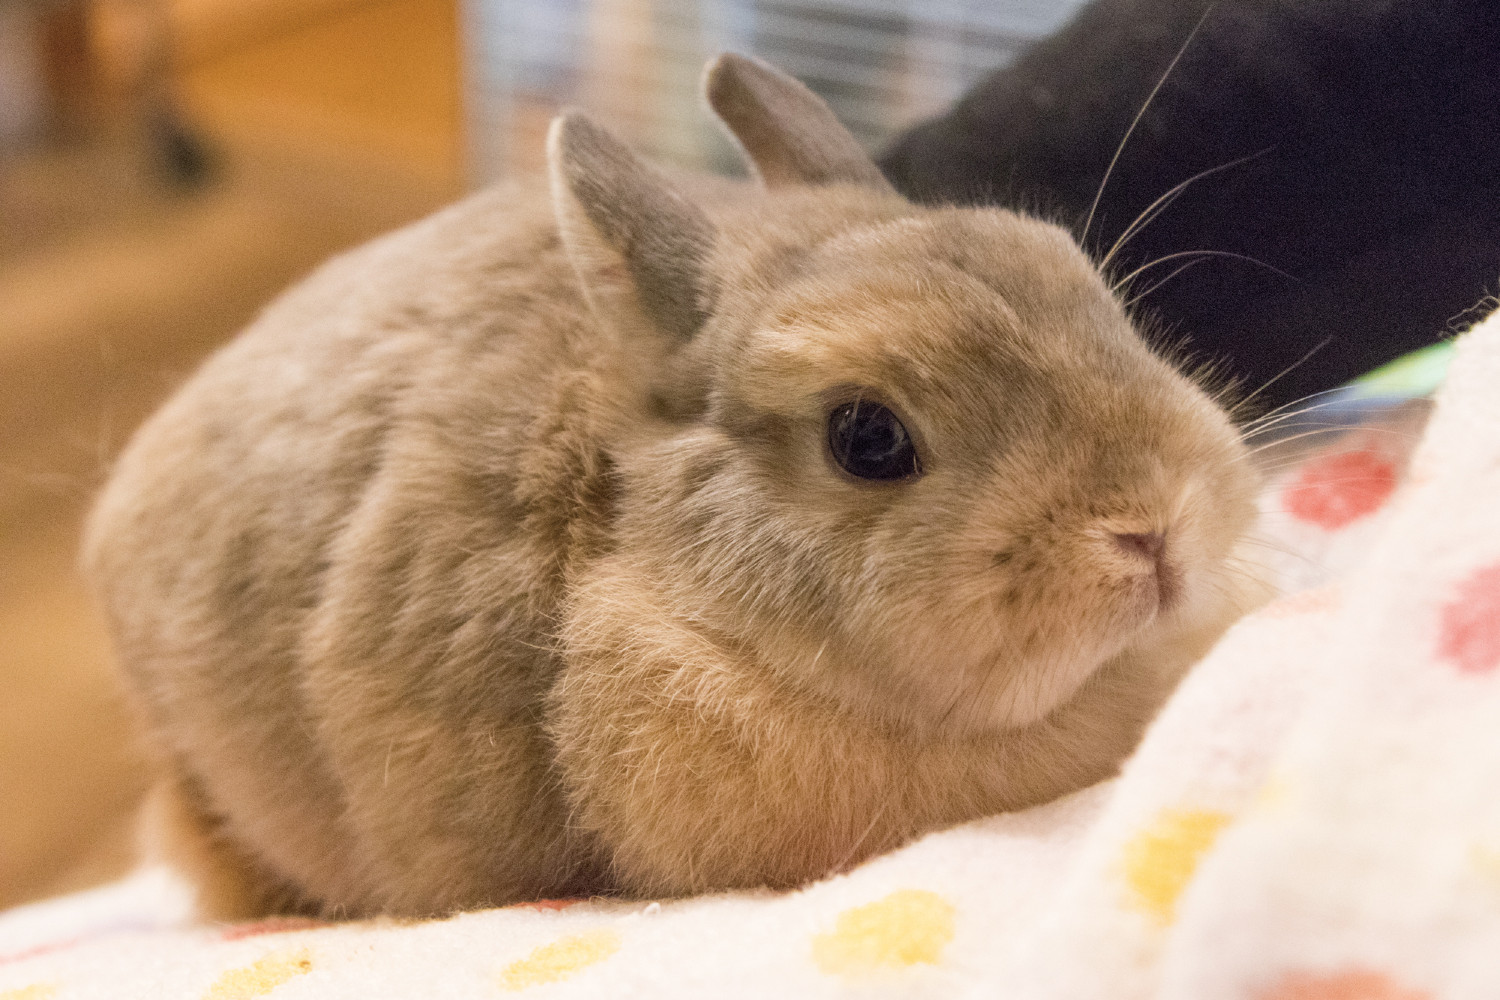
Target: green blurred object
point(1409, 376)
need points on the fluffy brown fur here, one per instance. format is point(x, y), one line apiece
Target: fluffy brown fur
point(506, 558)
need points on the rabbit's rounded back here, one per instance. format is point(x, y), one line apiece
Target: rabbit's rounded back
point(507, 557)
point(282, 553)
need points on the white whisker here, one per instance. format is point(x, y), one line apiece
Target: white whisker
point(1285, 371)
point(1296, 437)
point(1104, 181)
point(1141, 295)
point(1162, 203)
point(1198, 253)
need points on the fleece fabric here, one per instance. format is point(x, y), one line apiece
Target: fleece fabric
point(1313, 816)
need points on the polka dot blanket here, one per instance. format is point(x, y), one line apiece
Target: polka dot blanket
point(1313, 816)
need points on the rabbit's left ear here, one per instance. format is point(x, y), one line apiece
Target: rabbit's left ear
point(788, 133)
point(639, 247)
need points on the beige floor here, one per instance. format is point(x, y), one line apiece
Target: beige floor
point(110, 292)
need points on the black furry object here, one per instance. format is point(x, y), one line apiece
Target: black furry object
point(1372, 211)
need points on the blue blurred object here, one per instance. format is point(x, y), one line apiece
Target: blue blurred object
point(1410, 378)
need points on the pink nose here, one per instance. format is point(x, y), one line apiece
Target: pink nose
point(1148, 544)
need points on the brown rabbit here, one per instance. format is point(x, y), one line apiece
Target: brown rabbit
point(669, 537)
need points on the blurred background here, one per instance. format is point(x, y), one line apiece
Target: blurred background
point(166, 166)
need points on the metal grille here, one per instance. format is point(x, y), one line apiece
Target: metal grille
point(635, 64)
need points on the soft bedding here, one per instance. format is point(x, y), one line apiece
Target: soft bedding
point(1313, 815)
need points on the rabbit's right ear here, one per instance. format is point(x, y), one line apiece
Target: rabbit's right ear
point(789, 134)
point(638, 246)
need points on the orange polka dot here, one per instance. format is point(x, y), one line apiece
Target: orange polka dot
point(1339, 489)
point(1350, 984)
point(1469, 635)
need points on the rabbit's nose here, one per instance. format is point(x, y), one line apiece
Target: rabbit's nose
point(1152, 547)
point(1143, 543)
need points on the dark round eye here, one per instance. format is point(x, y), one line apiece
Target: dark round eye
point(869, 442)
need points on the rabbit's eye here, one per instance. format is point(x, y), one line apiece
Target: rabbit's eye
point(869, 442)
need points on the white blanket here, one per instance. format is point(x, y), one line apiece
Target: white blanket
point(1314, 816)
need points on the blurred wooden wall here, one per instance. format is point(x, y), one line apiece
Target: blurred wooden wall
point(329, 121)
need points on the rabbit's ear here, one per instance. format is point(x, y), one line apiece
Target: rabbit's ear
point(788, 133)
point(639, 247)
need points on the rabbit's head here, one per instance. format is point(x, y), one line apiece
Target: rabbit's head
point(916, 459)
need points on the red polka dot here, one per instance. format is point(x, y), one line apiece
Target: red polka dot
point(1351, 984)
point(542, 905)
point(271, 925)
point(1469, 636)
point(41, 949)
point(1333, 491)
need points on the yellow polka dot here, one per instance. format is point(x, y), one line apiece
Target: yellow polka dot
point(560, 959)
point(1159, 861)
point(908, 927)
point(259, 978)
point(1485, 858)
point(38, 991)
point(1275, 794)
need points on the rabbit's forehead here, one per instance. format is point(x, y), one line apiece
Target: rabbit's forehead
point(874, 337)
point(914, 334)
point(1032, 264)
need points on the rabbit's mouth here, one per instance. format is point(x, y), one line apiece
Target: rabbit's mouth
point(1168, 587)
point(1047, 637)
point(1158, 589)
point(1026, 673)
point(1151, 567)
